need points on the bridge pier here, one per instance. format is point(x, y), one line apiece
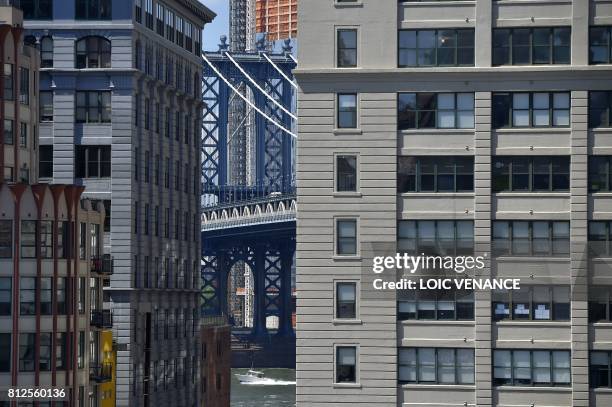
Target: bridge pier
point(260, 331)
point(285, 325)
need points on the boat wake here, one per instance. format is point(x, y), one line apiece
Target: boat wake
point(268, 382)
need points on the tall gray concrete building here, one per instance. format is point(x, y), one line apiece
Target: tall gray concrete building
point(120, 114)
point(450, 128)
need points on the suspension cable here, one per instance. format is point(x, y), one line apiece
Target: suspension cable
point(292, 83)
point(258, 110)
point(259, 87)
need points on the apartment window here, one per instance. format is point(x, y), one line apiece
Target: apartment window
point(600, 109)
point(177, 126)
point(168, 124)
point(347, 110)
point(81, 351)
point(435, 174)
point(167, 173)
point(149, 13)
point(9, 87)
point(167, 224)
point(600, 45)
point(28, 239)
point(46, 106)
point(535, 109)
point(93, 52)
point(600, 173)
point(8, 131)
point(453, 305)
point(444, 47)
point(147, 167)
point(44, 349)
point(156, 221)
point(177, 175)
point(5, 356)
point(6, 289)
point(60, 292)
point(439, 237)
point(188, 36)
point(27, 359)
point(46, 162)
point(27, 296)
point(61, 355)
point(23, 134)
point(46, 295)
point(146, 219)
point(347, 48)
point(6, 239)
point(187, 175)
point(436, 365)
point(93, 9)
point(187, 128)
point(158, 118)
point(346, 237)
point(535, 303)
point(138, 11)
point(346, 300)
point(346, 173)
point(169, 25)
point(531, 46)
point(177, 224)
point(159, 23)
point(346, 364)
point(531, 238)
point(529, 174)
point(93, 161)
point(24, 175)
point(531, 368)
point(435, 110)
point(46, 239)
point(107, 218)
point(179, 30)
point(94, 233)
point(600, 236)
point(93, 107)
point(37, 9)
point(147, 112)
point(600, 369)
point(24, 86)
point(46, 52)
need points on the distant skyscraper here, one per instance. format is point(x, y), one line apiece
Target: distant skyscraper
point(276, 18)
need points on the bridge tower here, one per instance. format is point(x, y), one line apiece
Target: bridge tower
point(249, 219)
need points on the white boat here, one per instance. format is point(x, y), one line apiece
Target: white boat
point(250, 376)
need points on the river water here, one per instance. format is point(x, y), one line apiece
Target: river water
point(279, 392)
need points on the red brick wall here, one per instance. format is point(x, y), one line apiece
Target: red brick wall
point(215, 366)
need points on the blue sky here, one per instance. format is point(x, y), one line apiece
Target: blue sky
point(220, 24)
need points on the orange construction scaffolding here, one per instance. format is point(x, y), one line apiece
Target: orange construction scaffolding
point(277, 18)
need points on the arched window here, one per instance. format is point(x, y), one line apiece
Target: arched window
point(46, 52)
point(93, 52)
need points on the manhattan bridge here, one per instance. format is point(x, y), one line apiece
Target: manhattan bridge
point(248, 187)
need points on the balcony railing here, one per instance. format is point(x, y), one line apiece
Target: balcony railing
point(102, 264)
point(102, 318)
point(101, 373)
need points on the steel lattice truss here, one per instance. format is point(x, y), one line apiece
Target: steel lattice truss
point(273, 146)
